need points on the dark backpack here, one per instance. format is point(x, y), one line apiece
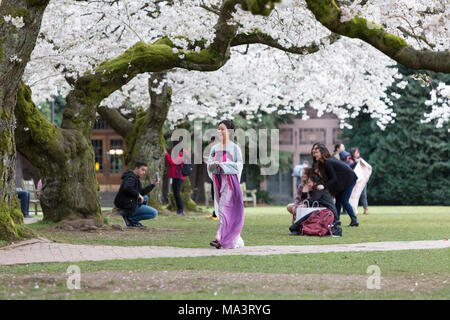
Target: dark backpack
point(186, 169)
point(319, 223)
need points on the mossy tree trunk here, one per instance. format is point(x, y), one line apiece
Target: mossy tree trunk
point(64, 157)
point(145, 136)
point(16, 45)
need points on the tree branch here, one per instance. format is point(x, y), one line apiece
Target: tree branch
point(91, 88)
point(418, 38)
point(261, 38)
point(119, 123)
point(328, 13)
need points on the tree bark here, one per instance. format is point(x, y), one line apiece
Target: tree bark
point(65, 160)
point(16, 45)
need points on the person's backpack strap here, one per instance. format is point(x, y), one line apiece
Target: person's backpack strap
point(295, 226)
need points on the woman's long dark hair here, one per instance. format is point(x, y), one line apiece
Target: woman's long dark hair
point(316, 179)
point(325, 155)
point(175, 143)
point(353, 151)
point(307, 172)
point(314, 161)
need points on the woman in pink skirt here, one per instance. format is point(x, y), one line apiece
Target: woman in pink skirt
point(224, 168)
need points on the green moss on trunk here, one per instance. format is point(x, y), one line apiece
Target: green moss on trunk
point(11, 222)
point(65, 159)
point(188, 203)
point(329, 14)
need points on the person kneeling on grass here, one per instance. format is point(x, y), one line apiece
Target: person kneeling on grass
point(131, 199)
point(323, 199)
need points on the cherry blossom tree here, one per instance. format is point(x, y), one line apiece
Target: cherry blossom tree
point(291, 27)
point(74, 166)
point(92, 49)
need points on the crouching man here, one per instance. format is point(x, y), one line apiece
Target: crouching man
point(131, 199)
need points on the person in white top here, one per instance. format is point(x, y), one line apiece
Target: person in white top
point(225, 168)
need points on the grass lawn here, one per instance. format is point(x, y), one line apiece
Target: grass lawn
point(267, 226)
point(410, 274)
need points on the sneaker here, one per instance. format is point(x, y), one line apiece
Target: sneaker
point(209, 217)
point(126, 221)
point(181, 213)
point(27, 216)
point(215, 218)
point(138, 225)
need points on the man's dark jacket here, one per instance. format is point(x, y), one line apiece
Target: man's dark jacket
point(127, 197)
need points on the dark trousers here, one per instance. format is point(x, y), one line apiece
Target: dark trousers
point(363, 198)
point(212, 196)
point(212, 190)
point(176, 185)
point(342, 200)
point(24, 197)
point(143, 212)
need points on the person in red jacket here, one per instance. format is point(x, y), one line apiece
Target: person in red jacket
point(177, 179)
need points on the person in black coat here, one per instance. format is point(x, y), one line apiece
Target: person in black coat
point(339, 180)
point(323, 199)
point(131, 198)
point(322, 196)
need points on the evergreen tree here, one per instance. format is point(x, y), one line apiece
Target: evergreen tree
point(410, 159)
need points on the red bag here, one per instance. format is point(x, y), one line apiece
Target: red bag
point(318, 223)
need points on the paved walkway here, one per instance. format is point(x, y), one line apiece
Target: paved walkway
point(41, 250)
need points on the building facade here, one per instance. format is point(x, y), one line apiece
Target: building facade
point(109, 148)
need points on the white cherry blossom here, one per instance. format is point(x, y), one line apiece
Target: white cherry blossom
point(341, 77)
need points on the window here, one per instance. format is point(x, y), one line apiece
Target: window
point(101, 124)
point(98, 151)
point(280, 183)
point(116, 152)
point(310, 136)
point(286, 136)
